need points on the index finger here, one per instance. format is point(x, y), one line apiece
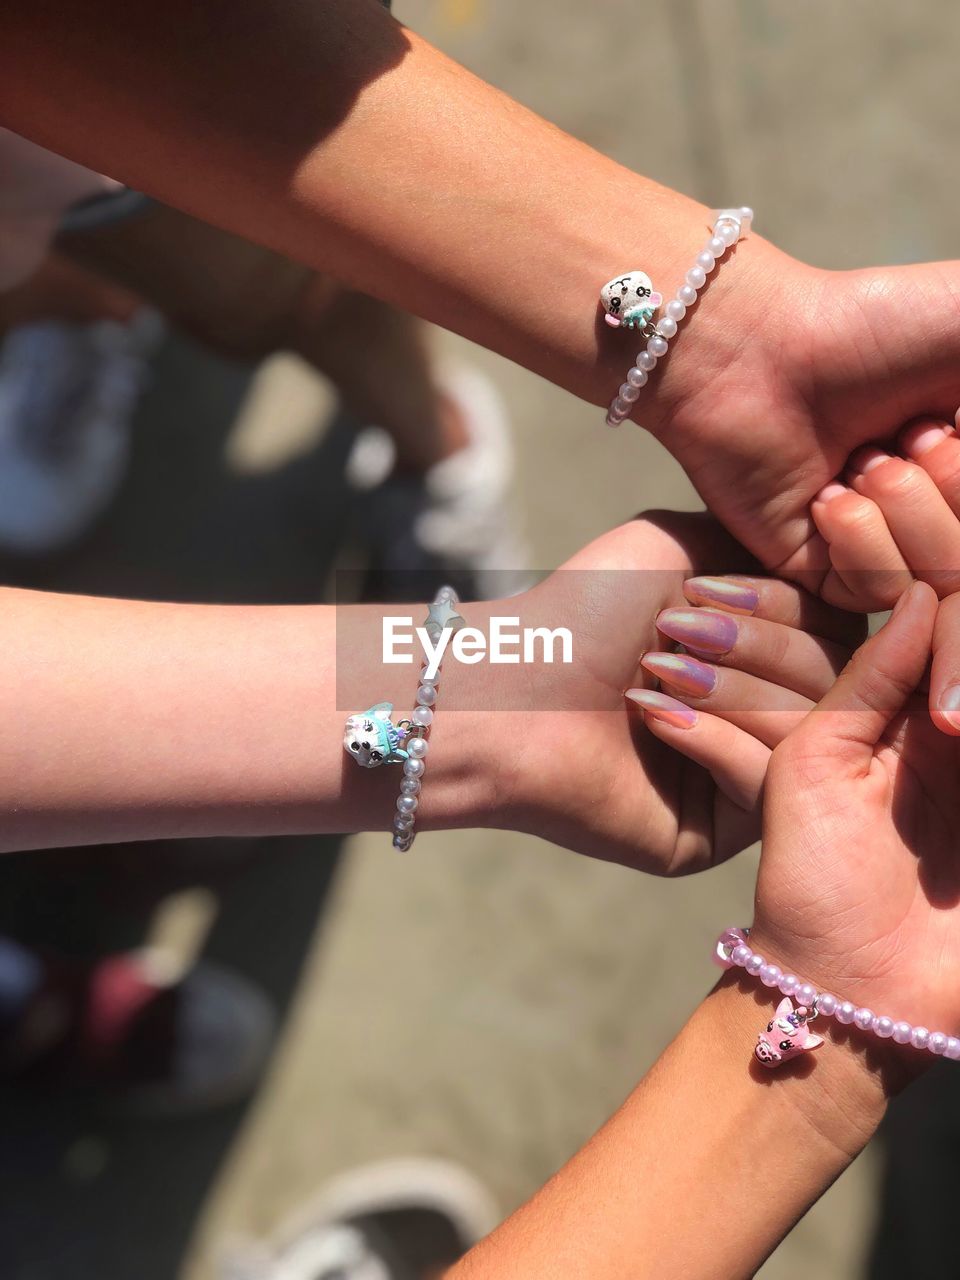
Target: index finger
point(774, 600)
point(945, 671)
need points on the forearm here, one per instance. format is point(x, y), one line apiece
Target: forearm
point(128, 720)
point(703, 1170)
point(330, 133)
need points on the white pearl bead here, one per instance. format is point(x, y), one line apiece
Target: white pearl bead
point(676, 310)
point(667, 327)
point(407, 804)
point(902, 1032)
point(884, 1027)
point(410, 787)
point(746, 213)
point(413, 768)
point(687, 294)
point(919, 1037)
point(716, 246)
point(863, 1019)
point(422, 716)
point(401, 842)
point(614, 419)
point(657, 346)
point(696, 277)
point(953, 1048)
point(706, 260)
point(728, 233)
point(845, 1013)
point(937, 1043)
point(637, 377)
point(770, 975)
point(629, 392)
point(427, 695)
point(755, 963)
point(621, 407)
point(418, 747)
point(646, 361)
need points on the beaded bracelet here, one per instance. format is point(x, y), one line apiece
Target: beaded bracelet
point(629, 301)
point(787, 1034)
point(372, 739)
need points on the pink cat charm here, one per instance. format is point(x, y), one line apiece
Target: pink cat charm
point(786, 1036)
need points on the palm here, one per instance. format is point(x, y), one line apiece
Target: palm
point(601, 784)
point(830, 361)
point(880, 858)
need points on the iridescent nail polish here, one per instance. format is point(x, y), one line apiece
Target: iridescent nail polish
point(737, 597)
point(705, 629)
point(663, 708)
point(686, 674)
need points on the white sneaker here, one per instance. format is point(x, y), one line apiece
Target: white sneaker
point(456, 522)
point(67, 397)
point(395, 1220)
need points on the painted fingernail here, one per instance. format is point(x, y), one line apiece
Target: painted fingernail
point(705, 629)
point(733, 595)
point(918, 440)
point(683, 672)
point(830, 491)
point(949, 705)
point(663, 708)
point(868, 459)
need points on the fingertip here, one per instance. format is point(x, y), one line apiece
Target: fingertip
point(662, 708)
point(922, 436)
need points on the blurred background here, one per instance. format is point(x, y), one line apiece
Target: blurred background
point(489, 999)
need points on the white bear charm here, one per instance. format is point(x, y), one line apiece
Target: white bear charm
point(629, 301)
point(372, 739)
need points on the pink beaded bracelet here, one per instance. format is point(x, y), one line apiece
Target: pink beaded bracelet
point(787, 1034)
point(629, 301)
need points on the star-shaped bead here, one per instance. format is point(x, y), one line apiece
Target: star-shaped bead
point(442, 614)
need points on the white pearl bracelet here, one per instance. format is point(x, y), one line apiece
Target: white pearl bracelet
point(629, 301)
point(417, 729)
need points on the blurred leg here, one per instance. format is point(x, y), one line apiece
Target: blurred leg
point(246, 302)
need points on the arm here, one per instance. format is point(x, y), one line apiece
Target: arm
point(704, 1169)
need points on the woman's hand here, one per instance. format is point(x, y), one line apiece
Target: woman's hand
point(573, 762)
point(782, 373)
point(859, 885)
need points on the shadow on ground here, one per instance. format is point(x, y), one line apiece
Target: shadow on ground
point(84, 1194)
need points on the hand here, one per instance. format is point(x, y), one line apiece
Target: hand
point(859, 885)
point(784, 371)
point(581, 771)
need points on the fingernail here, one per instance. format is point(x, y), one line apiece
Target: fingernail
point(830, 491)
point(683, 672)
point(703, 629)
point(916, 441)
point(949, 705)
point(664, 708)
point(868, 459)
point(734, 595)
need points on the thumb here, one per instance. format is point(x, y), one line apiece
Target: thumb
point(881, 676)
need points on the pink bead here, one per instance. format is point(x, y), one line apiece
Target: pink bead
point(741, 954)
point(770, 975)
point(806, 994)
point(788, 983)
point(827, 1004)
point(953, 1048)
point(755, 963)
point(883, 1027)
point(902, 1031)
point(863, 1019)
point(937, 1043)
point(920, 1037)
point(845, 1012)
